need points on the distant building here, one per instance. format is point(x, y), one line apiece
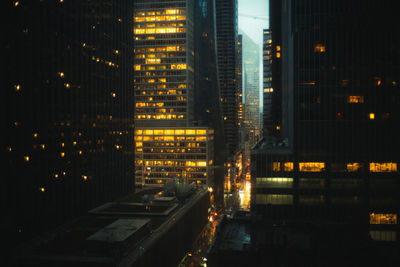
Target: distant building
point(334, 155)
point(67, 120)
point(251, 87)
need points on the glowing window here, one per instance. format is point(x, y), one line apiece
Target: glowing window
point(353, 167)
point(148, 132)
point(371, 116)
point(179, 131)
point(171, 132)
point(288, 166)
point(139, 144)
point(178, 66)
point(355, 99)
point(140, 31)
point(172, 11)
point(319, 48)
point(276, 166)
point(168, 138)
point(383, 167)
point(147, 138)
point(311, 166)
point(275, 182)
point(137, 67)
point(382, 218)
point(153, 60)
point(139, 19)
point(158, 132)
point(190, 131)
point(201, 131)
point(201, 163)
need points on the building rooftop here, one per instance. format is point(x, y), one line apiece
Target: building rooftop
point(106, 234)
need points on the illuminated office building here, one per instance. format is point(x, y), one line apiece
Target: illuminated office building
point(336, 66)
point(164, 85)
point(170, 153)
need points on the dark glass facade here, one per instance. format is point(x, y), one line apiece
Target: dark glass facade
point(67, 111)
point(336, 69)
point(227, 32)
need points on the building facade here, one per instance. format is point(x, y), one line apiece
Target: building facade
point(336, 156)
point(227, 32)
point(166, 99)
point(268, 90)
point(67, 112)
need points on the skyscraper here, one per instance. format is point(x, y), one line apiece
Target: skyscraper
point(335, 69)
point(227, 31)
point(268, 90)
point(67, 112)
point(170, 144)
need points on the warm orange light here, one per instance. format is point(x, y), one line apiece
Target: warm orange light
point(320, 48)
point(371, 116)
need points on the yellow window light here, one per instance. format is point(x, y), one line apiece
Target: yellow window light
point(383, 167)
point(383, 218)
point(311, 166)
point(371, 116)
point(288, 166)
point(148, 132)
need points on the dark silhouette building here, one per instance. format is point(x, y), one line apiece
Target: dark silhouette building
point(67, 111)
point(227, 32)
point(334, 157)
point(268, 91)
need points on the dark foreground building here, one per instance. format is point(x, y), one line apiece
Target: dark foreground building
point(67, 111)
point(331, 161)
point(141, 229)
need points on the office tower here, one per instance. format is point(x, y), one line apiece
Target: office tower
point(336, 66)
point(268, 91)
point(251, 87)
point(169, 146)
point(226, 15)
point(67, 111)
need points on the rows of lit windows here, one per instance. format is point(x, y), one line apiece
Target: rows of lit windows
point(171, 132)
point(168, 138)
point(160, 18)
point(160, 55)
point(161, 12)
point(186, 151)
point(190, 163)
point(164, 80)
point(159, 30)
point(274, 182)
point(383, 218)
point(320, 166)
point(159, 24)
point(164, 92)
point(160, 116)
point(169, 48)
